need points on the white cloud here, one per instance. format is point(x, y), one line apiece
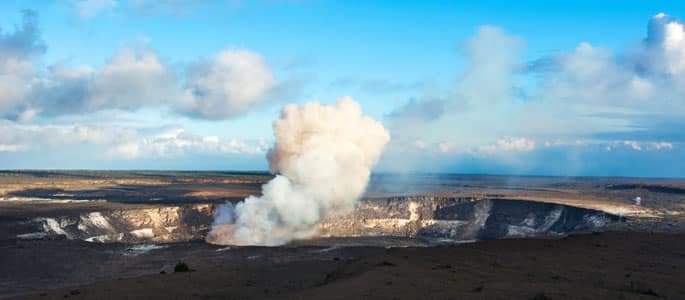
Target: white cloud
point(91, 8)
point(420, 144)
point(469, 109)
point(136, 78)
point(224, 87)
point(122, 142)
point(664, 48)
point(612, 145)
point(633, 144)
point(227, 85)
point(585, 97)
point(26, 115)
point(501, 146)
point(446, 147)
point(565, 143)
point(12, 148)
point(518, 144)
point(639, 145)
point(17, 50)
point(505, 145)
point(493, 56)
point(178, 142)
point(661, 145)
point(221, 87)
point(648, 78)
point(23, 137)
point(593, 76)
point(15, 83)
point(132, 79)
point(125, 151)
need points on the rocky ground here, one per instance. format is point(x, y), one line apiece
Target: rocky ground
point(609, 265)
point(140, 224)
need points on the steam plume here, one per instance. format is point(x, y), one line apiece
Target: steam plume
point(322, 158)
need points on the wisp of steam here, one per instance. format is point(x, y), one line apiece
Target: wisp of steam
point(322, 159)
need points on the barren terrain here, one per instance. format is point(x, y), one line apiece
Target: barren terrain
point(109, 234)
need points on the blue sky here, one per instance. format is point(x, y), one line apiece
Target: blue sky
point(526, 87)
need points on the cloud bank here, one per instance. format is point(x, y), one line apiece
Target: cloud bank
point(123, 143)
point(502, 104)
point(222, 87)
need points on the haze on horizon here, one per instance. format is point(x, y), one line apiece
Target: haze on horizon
point(559, 89)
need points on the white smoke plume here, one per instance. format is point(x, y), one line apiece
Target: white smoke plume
point(322, 158)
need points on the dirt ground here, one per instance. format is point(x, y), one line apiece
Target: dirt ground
point(610, 265)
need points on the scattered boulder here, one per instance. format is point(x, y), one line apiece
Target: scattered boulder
point(181, 267)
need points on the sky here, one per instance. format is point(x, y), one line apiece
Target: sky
point(581, 88)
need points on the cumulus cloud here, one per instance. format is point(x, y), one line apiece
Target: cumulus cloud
point(17, 51)
point(134, 78)
point(227, 85)
point(593, 76)
point(663, 50)
point(647, 77)
point(467, 110)
point(221, 87)
point(605, 99)
point(130, 80)
point(493, 57)
point(15, 83)
point(488, 82)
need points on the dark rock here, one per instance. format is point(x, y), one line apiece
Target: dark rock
point(181, 267)
point(385, 263)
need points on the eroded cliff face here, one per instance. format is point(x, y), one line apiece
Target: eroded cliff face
point(157, 224)
point(462, 219)
point(427, 217)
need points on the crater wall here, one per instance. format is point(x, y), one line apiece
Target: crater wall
point(426, 217)
point(462, 219)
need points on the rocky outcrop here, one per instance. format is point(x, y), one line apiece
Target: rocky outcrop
point(460, 219)
point(155, 224)
point(427, 217)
